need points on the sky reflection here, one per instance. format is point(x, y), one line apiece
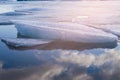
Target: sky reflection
point(62, 64)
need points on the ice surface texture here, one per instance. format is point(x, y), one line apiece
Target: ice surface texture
point(63, 31)
point(111, 28)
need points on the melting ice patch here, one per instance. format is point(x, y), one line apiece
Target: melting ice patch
point(63, 31)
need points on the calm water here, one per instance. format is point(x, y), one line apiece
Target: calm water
point(73, 63)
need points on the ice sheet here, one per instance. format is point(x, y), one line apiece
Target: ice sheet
point(63, 31)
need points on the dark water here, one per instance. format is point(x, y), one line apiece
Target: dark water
point(57, 64)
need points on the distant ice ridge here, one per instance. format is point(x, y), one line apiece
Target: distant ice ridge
point(63, 31)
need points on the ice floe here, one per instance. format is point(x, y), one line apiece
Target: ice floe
point(63, 31)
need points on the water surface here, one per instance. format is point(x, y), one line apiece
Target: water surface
point(71, 63)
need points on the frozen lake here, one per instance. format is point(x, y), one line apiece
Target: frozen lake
point(60, 40)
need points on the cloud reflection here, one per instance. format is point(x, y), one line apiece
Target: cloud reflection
point(109, 56)
point(1, 64)
point(44, 72)
point(76, 58)
point(69, 65)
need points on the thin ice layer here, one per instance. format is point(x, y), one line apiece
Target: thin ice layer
point(24, 42)
point(63, 31)
point(5, 8)
point(111, 28)
point(27, 44)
